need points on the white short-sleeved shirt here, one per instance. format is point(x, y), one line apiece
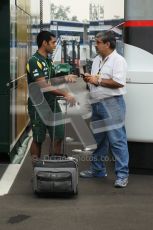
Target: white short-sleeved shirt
point(112, 67)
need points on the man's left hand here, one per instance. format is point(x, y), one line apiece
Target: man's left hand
point(71, 78)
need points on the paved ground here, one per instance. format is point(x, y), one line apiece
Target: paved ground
point(3, 167)
point(98, 205)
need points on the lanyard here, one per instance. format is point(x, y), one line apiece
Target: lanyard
point(101, 64)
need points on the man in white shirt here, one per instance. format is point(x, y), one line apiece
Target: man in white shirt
point(107, 87)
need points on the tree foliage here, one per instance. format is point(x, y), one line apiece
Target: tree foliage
point(74, 18)
point(61, 13)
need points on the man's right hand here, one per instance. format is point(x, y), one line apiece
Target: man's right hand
point(70, 99)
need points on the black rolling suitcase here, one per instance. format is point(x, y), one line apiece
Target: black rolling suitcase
point(56, 175)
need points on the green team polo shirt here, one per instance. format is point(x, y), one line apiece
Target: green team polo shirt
point(39, 66)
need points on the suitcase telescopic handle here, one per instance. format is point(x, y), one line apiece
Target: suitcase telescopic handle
point(56, 99)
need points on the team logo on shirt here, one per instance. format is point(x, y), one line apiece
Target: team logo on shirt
point(35, 73)
point(39, 65)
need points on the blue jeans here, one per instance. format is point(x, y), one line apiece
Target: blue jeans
point(108, 118)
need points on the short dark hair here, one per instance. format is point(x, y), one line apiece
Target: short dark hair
point(108, 36)
point(44, 36)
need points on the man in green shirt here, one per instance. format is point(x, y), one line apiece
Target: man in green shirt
point(40, 70)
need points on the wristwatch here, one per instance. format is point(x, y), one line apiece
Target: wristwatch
point(99, 81)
